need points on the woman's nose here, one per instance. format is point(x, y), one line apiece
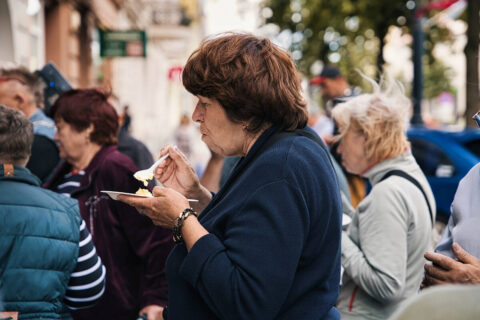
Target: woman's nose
point(197, 115)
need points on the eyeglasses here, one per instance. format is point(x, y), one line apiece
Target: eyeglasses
point(476, 117)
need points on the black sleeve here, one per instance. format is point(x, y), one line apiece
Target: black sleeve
point(44, 157)
point(144, 157)
point(135, 150)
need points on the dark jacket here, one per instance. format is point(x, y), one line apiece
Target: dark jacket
point(132, 249)
point(273, 251)
point(44, 157)
point(134, 149)
point(39, 234)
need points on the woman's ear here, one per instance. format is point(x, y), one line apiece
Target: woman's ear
point(19, 98)
point(89, 131)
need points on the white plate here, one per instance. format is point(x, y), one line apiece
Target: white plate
point(114, 194)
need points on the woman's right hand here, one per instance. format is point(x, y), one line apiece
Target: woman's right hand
point(177, 173)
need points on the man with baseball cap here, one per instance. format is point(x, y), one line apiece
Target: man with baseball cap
point(334, 86)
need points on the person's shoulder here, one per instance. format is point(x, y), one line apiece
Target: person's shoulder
point(43, 142)
point(135, 150)
point(42, 124)
point(300, 156)
point(118, 161)
point(473, 174)
point(395, 189)
point(116, 168)
point(62, 200)
point(63, 204)
point(468, 185)
point(44, 198)
point(308, 150)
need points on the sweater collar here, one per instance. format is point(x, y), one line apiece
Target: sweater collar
point(10, 172)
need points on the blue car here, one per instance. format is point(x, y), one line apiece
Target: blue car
point(445, 157)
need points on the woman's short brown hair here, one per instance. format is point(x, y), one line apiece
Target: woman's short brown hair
point(83, 107)
point(253, 80)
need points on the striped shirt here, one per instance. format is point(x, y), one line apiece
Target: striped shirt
point(70, 183)
point(87, 281)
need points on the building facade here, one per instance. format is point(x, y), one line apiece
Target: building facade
point(66, 32)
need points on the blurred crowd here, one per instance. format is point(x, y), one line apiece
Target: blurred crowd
point(297, 215)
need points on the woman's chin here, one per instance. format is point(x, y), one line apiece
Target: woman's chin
point(348, 169)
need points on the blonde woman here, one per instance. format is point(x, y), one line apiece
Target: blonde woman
point(382, 251)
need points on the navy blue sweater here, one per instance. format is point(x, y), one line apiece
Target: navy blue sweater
point(273, 251)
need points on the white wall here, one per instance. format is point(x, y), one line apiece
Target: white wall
point(6, 37)
point(27, 35)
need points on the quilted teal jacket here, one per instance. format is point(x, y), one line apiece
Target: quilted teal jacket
point(39, 234)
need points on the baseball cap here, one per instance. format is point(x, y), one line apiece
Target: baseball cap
point(329, 72)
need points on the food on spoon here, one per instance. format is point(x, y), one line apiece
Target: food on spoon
point(143, 192)
point(143, 177)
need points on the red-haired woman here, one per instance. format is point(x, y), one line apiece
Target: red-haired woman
point(131, 247)
point(267, 245)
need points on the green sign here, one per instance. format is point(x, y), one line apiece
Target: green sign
point(129, 43)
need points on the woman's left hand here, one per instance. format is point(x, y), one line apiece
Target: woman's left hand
point(165, 206)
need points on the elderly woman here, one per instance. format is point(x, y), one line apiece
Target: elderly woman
point(131, 247)
point(382, 251)
point(267, 245)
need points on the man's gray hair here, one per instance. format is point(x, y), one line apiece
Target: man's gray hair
point(16, 136)
point(30, 80)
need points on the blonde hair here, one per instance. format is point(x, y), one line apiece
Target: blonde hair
point(381, 116)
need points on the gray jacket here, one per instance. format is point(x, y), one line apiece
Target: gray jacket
point(382, 250)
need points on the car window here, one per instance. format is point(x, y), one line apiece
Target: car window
point(431, 159)
point(474, 147)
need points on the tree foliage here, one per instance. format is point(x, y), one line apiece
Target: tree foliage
point(328, 26)
point(351, 34)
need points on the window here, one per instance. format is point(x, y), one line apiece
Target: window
point(474, 147)
point(431, 159)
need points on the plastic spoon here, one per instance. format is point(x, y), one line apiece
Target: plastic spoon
point(147, 174)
